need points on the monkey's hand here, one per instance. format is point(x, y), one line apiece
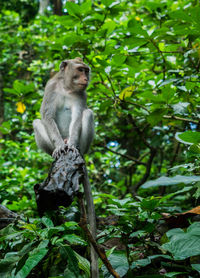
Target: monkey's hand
point(59, 150)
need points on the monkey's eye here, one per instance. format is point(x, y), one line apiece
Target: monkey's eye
point(81, 69)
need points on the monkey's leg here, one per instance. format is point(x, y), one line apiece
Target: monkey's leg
point(87, 131)
point(41, 137)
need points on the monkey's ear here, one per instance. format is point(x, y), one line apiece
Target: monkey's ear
point(78, 59)
point(63, 65)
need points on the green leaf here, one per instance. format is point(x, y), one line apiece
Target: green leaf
point(55, 230)
point(168, 196)
point(132, 62)
point(74, 239)
point(83, 264)
point(10, 90)
point(192, 137)
point(140, 263)
point(109, 26)
point(195, 148)
point(86, 6)
point(11, 236)
point(122, 202)
point(147, 261)
point(73, 9)
point(126, 93)
point(135, 28)
point(18, 86)
point(133, 42)
point(196, 267)
point(47, 222)
point(182, 244)
point(7, 265)
point(34, 258)
point(118, 260)
point(180, 107)
point(107, 3)
point(156, 116)
point(118, 59)
point(174, 274)
point(67, 253)
point(149, 204)
point(166, 181)
point(180, 15)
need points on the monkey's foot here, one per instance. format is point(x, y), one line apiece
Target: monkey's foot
point(59, 150)
point(75, 152)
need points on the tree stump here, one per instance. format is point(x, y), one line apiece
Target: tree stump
point(62, 183)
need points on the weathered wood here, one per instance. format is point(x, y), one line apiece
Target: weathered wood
point(62, 183)
point(6, 216)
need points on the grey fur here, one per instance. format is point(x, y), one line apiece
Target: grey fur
point(64, 112)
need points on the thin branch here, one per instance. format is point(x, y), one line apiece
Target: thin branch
point(180, 119)
point(136, 104)
point(163, 57)
point(111, 84)
point(139, 132)
point(146, 175)
point(100, 250)
point(126, 156)
point(152, 53)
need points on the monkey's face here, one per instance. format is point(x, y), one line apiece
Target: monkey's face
point(80, 77)
point(76, 75)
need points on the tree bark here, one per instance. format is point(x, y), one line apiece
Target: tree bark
point(57, 7)
point(92, 222)
point(1, 103)
point(43, 6)
point(7, 216)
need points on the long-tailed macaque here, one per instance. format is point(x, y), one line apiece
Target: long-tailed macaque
point(66, 120)
point(67, 123)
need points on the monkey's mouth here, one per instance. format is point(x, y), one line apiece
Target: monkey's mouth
point(82, 84)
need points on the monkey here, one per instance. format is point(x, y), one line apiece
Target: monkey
point(67, 123)
point(65, 119)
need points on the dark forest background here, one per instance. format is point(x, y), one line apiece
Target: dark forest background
point(144, 162)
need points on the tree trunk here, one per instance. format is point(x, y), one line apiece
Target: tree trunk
point(43, 6)
point(57, 7)
point(1, 103)
point(92, 222)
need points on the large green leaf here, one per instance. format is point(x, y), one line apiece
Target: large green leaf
point(166, 181)
point(7, 265)
point(83, 264)
point(156, 116)
point(182, 244)
point(196, 267)
point(47, 222)
point(73, 9)
point(73, 239)
point(34, 258)
point(72, 261)
point(147, 261)
point(118, 260)
point(135, 28)
point(191, 137)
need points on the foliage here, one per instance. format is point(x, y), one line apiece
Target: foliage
point(144, 91)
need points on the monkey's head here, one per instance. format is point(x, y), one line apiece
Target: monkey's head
point(76, 74)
